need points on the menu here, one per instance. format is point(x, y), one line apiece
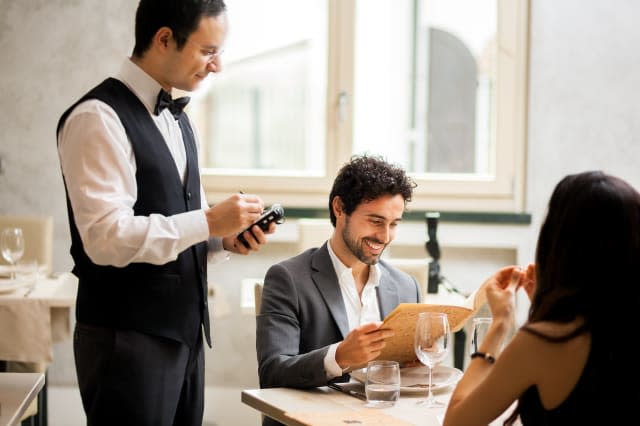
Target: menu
point(402, 320)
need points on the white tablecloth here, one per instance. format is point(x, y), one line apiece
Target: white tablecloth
point(30, 325)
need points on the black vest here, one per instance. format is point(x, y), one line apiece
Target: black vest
point(167, 300)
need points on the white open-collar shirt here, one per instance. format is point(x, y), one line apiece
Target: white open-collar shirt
point(99, 170)
point(360, 310)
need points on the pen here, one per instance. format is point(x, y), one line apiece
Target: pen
point(350, 392)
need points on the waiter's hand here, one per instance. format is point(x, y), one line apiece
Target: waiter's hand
point(256, 239)
point(231, 216)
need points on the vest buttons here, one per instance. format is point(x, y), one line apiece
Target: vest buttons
point(188, 195)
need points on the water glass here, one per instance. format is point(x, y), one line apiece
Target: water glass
point(479, 328)
point(382, 384)
point(27, 272)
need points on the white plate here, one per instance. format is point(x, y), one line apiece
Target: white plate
point(416, 379)
point(8, 285)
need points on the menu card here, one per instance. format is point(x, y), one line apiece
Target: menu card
point(402, 320)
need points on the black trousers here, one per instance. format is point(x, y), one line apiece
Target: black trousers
point(130, 378)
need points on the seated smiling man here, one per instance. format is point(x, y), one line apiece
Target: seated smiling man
point(321, 310)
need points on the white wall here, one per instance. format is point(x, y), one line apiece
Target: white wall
point(52, 52)
point(584, 80)
point(584, 73)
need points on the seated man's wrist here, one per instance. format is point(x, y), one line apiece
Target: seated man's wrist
point(332, 368)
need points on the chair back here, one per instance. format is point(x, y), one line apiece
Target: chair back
point(38, 237)
point(313, 233)
point(257, 295)
point(417, 267)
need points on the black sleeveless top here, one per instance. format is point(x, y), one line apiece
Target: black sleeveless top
point(595, 399)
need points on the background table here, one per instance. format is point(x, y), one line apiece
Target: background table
point(30, 325)
point(31, 322)
point(17, 390)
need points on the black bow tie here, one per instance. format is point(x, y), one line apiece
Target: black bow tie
point(175, 105)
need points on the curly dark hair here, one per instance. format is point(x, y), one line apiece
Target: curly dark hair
point(365, 178)
point(182, 16)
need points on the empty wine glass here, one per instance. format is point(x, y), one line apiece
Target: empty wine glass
point(12, 247)
point(431, 344)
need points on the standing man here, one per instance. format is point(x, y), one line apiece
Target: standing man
point(141, 230)
point(321, 310)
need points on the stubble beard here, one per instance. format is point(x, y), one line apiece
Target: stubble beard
point(356, 247)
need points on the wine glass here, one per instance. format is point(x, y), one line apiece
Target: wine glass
point(12, 247)
point(431, 344)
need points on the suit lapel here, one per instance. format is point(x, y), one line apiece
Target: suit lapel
point(388, 297)
point(326, 280)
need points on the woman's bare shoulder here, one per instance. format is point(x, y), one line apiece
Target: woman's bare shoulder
point(553, 329)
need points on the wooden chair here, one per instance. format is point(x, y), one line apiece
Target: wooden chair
point(257, 295)
point(313, 233)
point(418, 268)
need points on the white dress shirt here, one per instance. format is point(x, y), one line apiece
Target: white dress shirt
point(99, 170)
point(360, 310)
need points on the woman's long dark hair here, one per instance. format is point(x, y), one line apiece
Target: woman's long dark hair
point(587, 266)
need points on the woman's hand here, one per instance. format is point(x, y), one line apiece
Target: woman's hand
point(528, 281)
point(501, 291)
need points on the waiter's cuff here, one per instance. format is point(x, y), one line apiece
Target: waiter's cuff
point(192, 226)
point(216, 253)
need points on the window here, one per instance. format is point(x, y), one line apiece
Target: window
point(438, 86)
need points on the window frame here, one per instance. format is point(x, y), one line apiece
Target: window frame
point(503, 191)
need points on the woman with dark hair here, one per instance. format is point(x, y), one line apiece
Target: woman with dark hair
point(565, 365)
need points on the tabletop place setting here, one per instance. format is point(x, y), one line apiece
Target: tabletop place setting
point(390, 392)
point(384, 382)
point(19, 273)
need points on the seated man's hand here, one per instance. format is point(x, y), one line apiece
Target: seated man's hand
point(362, 345)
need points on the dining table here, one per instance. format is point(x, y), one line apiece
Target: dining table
point(328, 406)
point(17, 391)
point(34, 315)
point(325, 406)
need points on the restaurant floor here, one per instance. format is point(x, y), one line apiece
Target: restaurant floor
point(222, 407)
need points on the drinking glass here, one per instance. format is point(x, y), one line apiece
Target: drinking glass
point(479, 328)
point(12, 247)
point(382, 384)
point(431, 344)
point(27, 274)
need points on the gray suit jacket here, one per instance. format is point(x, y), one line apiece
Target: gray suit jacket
point(302, 314)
